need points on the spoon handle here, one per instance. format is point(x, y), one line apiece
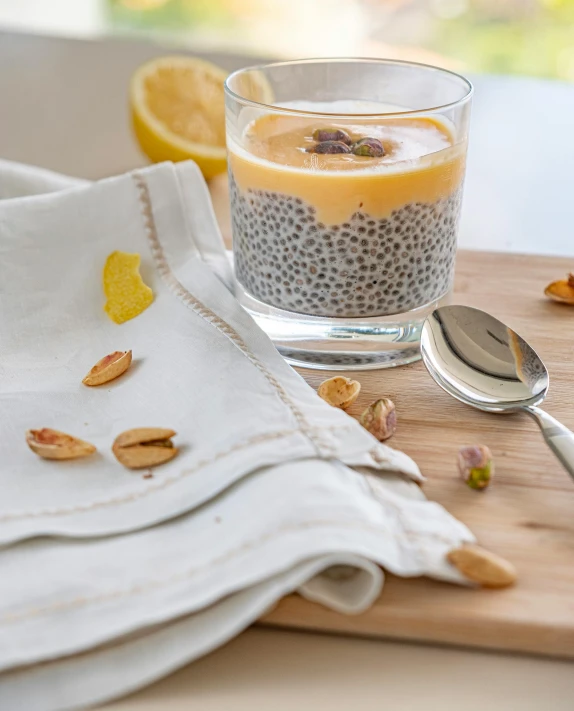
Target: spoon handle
point(558, 438)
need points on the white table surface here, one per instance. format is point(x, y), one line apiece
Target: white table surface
point(64, 107)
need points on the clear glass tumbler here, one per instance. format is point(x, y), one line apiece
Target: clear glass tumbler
point(346, 183)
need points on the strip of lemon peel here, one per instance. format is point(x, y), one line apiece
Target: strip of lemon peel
point(127, 295)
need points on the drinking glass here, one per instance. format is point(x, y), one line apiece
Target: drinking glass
point(346, 181)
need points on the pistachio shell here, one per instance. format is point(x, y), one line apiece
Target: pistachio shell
point(562, 290)
point(482, 566)
point(142, 435)
point(144, 447)
point(108, 368)
point(53, 444)
point(145, 456)
point(339, 391)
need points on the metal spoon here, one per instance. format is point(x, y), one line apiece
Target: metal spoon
point(483, 363)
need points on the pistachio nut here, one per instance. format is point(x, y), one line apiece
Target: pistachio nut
point(380, 419)
point(482, 566)
point(52, 444)
point(339, 391)
point(144, 447)
point(475, 466)
point(331, 134)
point(109, 368)
point(371, 147)
point(329, 147)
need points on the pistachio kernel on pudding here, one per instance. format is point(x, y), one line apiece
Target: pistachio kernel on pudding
point(370, 147)
point(331, 134)
point(330, 147)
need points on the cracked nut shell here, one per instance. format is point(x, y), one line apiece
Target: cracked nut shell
point(482, 566)
point(109, 368)
point(144, 447)
point(562, 290)
point(53, 444)
point(339, 391)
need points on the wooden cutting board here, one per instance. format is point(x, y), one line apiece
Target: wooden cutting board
point(526, 515)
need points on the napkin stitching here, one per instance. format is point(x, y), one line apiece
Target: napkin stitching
point(210, 316)
point(257, 439)
point(151, 584)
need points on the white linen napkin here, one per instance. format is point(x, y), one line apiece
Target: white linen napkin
point(257, 444)
point(20, 180)
point(201, 367)
point(84, 621)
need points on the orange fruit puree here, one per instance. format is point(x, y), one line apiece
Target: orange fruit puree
point(421, 164)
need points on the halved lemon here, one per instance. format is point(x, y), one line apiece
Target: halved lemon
point(178, 111)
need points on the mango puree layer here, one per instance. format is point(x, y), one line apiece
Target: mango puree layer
point(274, 158)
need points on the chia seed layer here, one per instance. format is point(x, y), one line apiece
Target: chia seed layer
point(364, 267)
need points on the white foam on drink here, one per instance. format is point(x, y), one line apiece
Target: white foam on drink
point(344, 106)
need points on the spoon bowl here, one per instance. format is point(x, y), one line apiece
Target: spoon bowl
point(482, 362)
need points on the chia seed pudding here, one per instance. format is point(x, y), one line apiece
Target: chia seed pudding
point(363, 240)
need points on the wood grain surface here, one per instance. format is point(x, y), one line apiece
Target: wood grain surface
point(526, 515)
